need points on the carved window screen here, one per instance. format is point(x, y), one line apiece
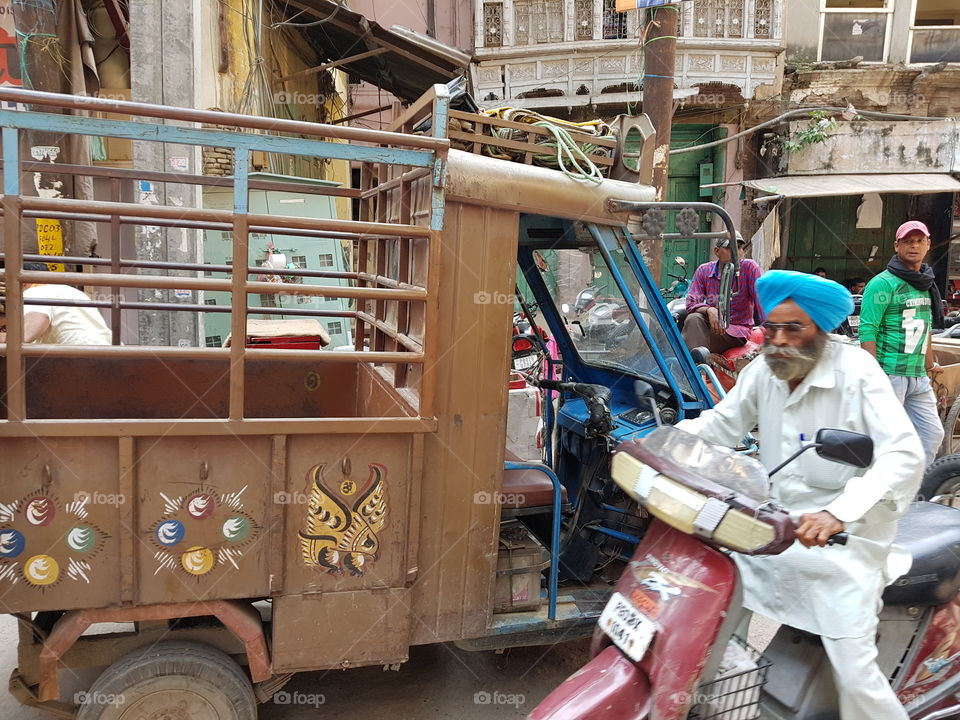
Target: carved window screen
point(763, 19)
point(718, 18)
point(538, 21)
point(584, 19)
point(492, 24)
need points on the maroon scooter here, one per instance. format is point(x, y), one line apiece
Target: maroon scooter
point(665, 646)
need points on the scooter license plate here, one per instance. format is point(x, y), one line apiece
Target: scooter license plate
point(524, 362)
point(629, 629)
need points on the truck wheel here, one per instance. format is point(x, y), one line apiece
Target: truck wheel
point(942, 477)
point(173, 681)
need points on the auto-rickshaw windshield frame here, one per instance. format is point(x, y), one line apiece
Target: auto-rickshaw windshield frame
point(662, 358)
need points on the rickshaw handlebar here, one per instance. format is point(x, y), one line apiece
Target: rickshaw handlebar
point(596, 397)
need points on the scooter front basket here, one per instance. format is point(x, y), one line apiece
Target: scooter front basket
point(735, 692)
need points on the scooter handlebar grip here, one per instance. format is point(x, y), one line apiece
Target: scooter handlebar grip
point(839, 539)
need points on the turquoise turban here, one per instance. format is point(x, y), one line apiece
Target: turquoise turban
point(826, 302)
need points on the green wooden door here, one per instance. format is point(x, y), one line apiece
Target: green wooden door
point(684, 179)
point(824, 233)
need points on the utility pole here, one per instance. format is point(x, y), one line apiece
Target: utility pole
point(41, 59)
point(659, 57)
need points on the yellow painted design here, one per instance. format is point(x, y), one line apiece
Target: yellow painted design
point(341, 532)
point(41, 570)
point(197, 560)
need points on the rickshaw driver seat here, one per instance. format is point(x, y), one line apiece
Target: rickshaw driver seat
point(528, 488)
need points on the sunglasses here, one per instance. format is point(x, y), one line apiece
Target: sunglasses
point(791, 329)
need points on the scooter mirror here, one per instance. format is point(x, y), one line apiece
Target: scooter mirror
point(680, 261)
point(642, 389)
point(845, 446)
point(644, 393)
point(700, 355)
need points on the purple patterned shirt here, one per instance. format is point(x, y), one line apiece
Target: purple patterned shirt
point(705, 290)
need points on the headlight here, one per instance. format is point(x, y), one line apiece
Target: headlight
point(689, 511)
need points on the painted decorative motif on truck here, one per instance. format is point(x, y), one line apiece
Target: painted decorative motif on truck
point(44, 541)
point(344, 518)
point(202, 530)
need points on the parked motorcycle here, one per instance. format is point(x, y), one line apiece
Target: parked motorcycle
point(680, 284)
point(648, 663)
point(851, 326)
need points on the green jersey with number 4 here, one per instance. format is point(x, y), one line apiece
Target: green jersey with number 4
point(898, 318)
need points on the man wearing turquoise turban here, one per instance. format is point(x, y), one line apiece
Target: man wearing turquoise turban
point(803, 381)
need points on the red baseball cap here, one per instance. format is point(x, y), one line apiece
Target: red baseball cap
point(909, 226)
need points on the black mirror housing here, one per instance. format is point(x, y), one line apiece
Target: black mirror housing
point(700, 355)
point(845, 446)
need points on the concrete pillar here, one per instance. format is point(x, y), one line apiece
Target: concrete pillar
point(164, 67)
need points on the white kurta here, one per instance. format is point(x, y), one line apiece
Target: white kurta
point(833, 591)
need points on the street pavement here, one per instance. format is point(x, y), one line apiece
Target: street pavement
point(438, 682)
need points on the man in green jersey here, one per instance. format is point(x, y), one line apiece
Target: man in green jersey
point(899, 307)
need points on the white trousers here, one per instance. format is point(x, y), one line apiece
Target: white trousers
point(864, 692)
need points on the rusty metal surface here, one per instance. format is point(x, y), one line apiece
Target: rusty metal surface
point(241, 618)
point(210, 117)
point(479, 180)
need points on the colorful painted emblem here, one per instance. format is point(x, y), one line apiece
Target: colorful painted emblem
point(202, 531)
point(12, 543)
point(44, 541)
point(169, 532)
point(200, 505)
point(39, 511)
point(41, 570)
point(344, 519)
point(197, 560)
point(81, 538)
point(236, 529)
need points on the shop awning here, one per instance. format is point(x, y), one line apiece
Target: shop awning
point(833, 185)
point(397, 60)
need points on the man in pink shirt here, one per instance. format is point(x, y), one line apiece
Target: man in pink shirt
point(702, 325)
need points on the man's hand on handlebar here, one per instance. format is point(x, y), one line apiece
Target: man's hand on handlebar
point(815, 529)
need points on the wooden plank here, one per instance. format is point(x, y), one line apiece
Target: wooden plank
point(333, 64)
point(127, 489)
point(192, 426)
point(276, 515)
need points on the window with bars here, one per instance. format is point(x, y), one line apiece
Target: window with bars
point(210, 301)
point(300, 261)
point(214, 341)
point(268, 300)
point(492, 24)
point(304, 299)
point(326, 260)
point(718, 18)
point(335, 328)
point(614, 23)
point(538, 21)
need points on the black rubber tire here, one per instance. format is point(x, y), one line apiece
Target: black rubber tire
point(171, 679)
point(949, 427)
point(942, 477)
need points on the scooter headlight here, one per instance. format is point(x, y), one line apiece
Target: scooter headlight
point(687, 510)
